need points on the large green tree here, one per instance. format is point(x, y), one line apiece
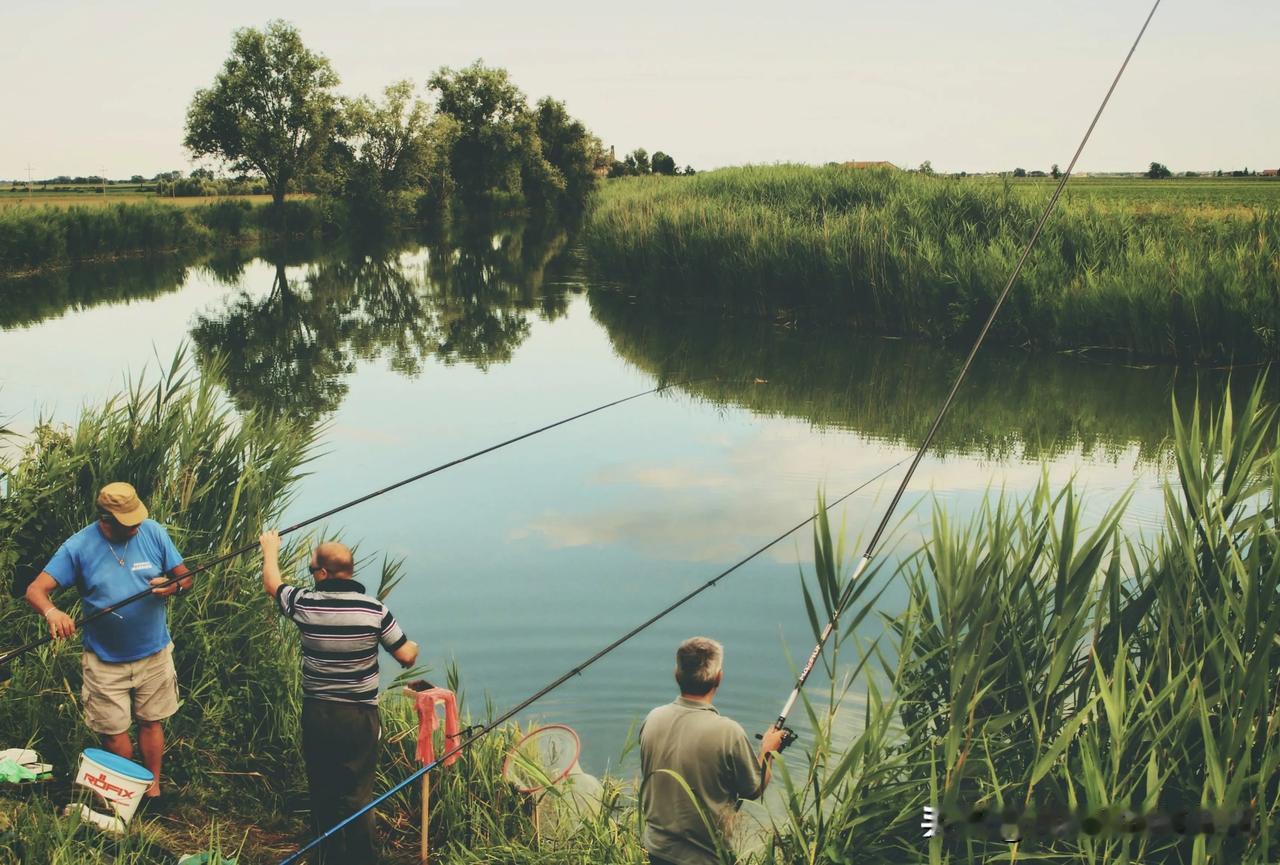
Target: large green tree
point(394, 146)
point(496, 148)
point(570, 148)
point(270, 110)
point(663, 164)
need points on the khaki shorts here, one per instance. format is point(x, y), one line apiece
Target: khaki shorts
point(115, 694)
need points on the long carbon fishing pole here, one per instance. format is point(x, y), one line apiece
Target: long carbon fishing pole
point(946, 405)
point(577, 670)
point(9, 656)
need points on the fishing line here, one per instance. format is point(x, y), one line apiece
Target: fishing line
point(577, 670)
point(847, 594)
point(35, 644)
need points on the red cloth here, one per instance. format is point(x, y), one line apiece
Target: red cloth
point(427, 720)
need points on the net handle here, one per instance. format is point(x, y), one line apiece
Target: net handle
point(551, 782)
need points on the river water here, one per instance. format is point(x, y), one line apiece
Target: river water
point(524, 562)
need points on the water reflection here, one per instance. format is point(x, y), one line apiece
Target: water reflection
point(292, 349)
point(1013, 403)
point(290, 338)
point(31, 300)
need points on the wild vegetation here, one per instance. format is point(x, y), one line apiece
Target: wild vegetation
point(910, 254)
point(214, 481)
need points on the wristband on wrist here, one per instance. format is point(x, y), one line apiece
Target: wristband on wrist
point(50, 610)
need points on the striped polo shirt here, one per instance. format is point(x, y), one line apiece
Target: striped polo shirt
point(341, 628)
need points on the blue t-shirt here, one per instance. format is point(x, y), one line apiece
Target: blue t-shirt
point(140, 629)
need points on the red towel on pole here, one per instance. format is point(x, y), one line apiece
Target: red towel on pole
point(427, 720)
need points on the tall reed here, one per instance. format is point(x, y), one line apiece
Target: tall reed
point(909, 254)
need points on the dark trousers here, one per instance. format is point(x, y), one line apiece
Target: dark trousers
point(340, 747)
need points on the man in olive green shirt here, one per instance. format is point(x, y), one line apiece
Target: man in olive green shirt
point(690, 739)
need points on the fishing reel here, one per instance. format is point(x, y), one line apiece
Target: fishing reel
point(788, 736)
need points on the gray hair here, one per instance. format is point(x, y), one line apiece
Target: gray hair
point(699, 662)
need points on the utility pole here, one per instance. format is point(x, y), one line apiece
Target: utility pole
point(28, 182)
point(103, 172)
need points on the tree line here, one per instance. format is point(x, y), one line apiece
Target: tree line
point(639, 162)
point(272, 111)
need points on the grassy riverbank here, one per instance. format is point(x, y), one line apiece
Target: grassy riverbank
point(907, 254)
point(50, 237)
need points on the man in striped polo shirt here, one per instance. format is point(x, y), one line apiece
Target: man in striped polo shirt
point(341, 628)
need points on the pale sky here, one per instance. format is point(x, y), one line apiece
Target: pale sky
point(974, 86)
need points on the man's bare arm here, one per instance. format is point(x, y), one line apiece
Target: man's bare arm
point(407, 654)
point(184, 580)
point(60, 624)
point(271, 580)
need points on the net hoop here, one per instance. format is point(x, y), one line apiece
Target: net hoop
point(553, 775)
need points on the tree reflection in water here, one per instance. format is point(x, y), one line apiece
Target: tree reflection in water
point(467, 298)
point(1038, 405)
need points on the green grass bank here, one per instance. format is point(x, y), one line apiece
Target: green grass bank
point(34, 239)
point(907, 254)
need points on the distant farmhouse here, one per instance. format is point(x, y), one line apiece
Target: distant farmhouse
point(1271, 172)
point(888, 165)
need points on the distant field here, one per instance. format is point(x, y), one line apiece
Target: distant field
point(1178, 192)
point(89, 198)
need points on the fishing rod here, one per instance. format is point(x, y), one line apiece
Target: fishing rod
point(577, 670)
point(847, 594)
point(9, 656)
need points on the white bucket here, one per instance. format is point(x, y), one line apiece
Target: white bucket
point(121, 782)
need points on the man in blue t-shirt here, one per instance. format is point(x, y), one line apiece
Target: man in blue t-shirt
point(128, 656)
